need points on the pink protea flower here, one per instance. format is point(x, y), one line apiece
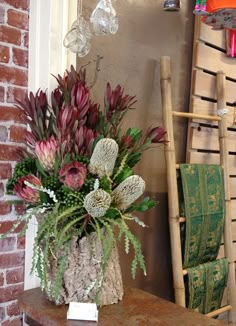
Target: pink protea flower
point(73, 175)
point(46, 152)
point(25, 192)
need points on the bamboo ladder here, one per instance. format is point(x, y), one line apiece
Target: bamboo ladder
point(173, 203)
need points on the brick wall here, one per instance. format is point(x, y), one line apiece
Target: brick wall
point(13, 85)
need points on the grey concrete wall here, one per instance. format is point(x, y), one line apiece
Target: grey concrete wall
point(131, 58)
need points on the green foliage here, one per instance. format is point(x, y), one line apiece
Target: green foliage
point(105, 184)
point(143, 206)
point(135, 133)
point(130, 239)
point(40, 169)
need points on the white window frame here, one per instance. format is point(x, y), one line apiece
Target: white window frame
point(49, 22)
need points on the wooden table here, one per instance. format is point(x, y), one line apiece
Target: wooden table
point(138, 308)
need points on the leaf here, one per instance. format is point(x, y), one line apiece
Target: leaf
point(126, 245)
point(113, 213)
point(105, 184)
point(124, 174)
point(40, 168)
point(43, 197)
point(139, 222)
point(134, 159)
point(145, 205)
point(57, 165)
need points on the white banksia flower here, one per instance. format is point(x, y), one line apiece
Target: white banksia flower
point(97, 202)
point(104, 156)
point(128, 191)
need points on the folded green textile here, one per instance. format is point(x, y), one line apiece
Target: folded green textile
point(203, 196)
point(206, 284)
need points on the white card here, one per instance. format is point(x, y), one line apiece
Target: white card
point(82, 311)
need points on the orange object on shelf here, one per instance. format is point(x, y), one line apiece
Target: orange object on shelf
point(213, 5)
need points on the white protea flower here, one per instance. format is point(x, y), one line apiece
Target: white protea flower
point(128, 191)
point(104, 156)
point(97, 202)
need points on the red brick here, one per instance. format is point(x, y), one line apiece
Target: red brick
point(5, 171)
point(13, 76)
point(17, 134)
point(8, 244)
point(2, 93)
point(21, 242)
point(4, 53)
point(10, 35)
point(14, 322)
point(11, 260)
point(18, 4)
point(3, 133)
point(5, 208)
point(15, 94)
point(13, 309)
point(11, 114)
point(2, 15)
point(15, 276)
point(20, 57)
point(1, 279)
point(11, 292)
point(18, 19)
point(26, 39)
point(7, 225)
point(8, 153)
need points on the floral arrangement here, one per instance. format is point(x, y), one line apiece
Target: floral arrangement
point(76, 174)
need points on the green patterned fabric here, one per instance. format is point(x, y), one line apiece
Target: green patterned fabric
point(206, 284)
point(203, 196)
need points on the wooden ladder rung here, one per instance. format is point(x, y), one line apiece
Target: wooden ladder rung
point(219, 311)
point(196, 116)
point(185, 272)
point(182, 219)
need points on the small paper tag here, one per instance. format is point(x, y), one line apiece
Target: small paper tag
point(82, 311)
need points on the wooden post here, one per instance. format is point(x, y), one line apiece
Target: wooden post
point(171, 182)
point(228, 242)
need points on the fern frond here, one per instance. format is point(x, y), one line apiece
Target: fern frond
point(122, 165)
point(138, 256)
point(138, 221)
point(126, 244)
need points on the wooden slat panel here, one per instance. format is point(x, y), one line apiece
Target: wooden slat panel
point(233, 209)
point(233, 187)
point(207, 139)
point(212, 158)
point(222, 253)
point(209, 108)
point(204, 85)
point(224, 301)
point(234, 230)
point(213, 60)
point(208, 35)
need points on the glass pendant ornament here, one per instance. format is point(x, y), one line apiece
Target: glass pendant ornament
point(77, 40)
point(104, 19)
point(171, 5)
